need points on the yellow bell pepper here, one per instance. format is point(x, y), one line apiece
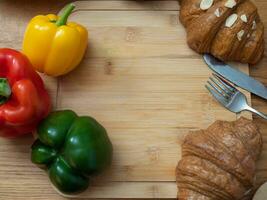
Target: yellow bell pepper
point(54, 46)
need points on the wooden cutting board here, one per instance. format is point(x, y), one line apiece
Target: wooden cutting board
point(261, 193)
point(141, 81)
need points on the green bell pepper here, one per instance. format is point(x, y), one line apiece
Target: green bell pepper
point(71, 149)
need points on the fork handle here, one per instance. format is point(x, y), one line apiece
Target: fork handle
point(264, 116)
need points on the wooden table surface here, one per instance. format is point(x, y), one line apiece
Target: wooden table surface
point(19, 12)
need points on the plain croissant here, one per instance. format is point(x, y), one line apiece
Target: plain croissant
point(219, 163)
point(228, 29)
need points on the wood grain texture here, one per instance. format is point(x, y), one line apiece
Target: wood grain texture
point(136, 79)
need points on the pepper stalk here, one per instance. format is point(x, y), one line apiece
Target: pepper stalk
point(5, 90)
point(65, 14)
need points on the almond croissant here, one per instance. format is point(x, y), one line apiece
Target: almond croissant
point(231, 30)
point(219, 163)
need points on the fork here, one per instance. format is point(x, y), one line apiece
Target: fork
point(230, 97)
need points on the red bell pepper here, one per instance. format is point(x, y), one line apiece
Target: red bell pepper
point(24, 100)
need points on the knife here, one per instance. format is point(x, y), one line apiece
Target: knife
point(235, 76)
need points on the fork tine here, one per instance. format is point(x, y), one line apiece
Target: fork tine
point(218, 86)
point(223, 83)
point(222, 87)
point(215, 88)
point(221, 99)
point(230, 87)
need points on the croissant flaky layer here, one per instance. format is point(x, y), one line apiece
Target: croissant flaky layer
point(219, 163)
point(228, 29)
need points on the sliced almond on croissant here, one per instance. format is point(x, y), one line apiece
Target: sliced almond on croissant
point(231, 20)
point(244, 18)
point(230, 3)
point(206, 4)
point(216, 30)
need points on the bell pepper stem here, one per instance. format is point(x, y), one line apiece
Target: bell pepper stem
point(5, 90)
point(66, 13)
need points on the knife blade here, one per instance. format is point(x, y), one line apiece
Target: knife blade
point(235, 76)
